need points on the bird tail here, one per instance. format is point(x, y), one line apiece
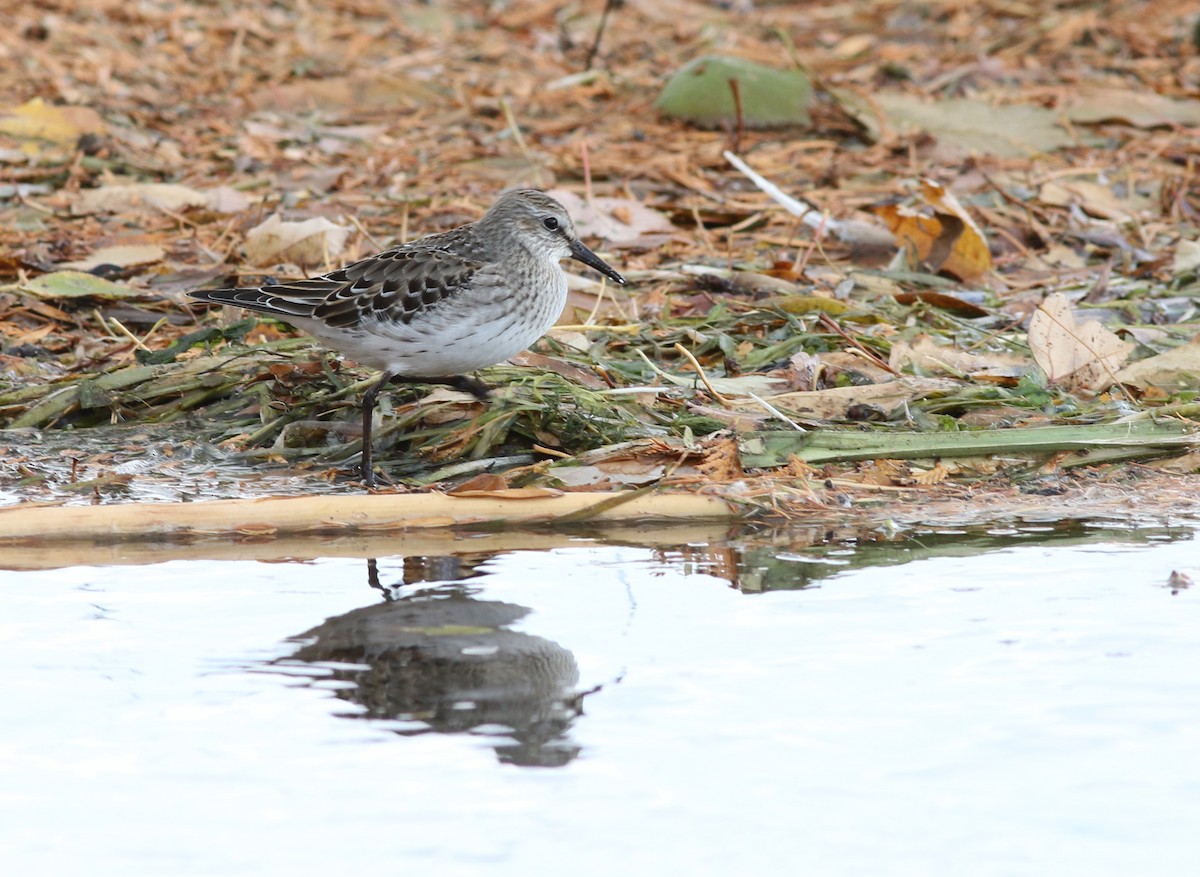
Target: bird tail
point(279, 301)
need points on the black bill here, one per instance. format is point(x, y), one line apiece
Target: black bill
point(587, 257)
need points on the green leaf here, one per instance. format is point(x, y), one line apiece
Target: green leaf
point(701, 93)
point(77, 284)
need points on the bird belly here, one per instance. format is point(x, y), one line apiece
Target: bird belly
point(452, 338)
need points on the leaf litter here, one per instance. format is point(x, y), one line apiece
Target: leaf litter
point(912, 292)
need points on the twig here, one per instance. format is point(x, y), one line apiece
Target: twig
point(847, 231)
point(511, 120)
point(738, 115)
point(366, 234)
point(591, 318)
point(136, 341)
point(609, 6)
point(828, 323)
point(777, 413)
point(810, 215)
point(712, 391)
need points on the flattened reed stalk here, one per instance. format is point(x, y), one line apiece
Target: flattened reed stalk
point(137, 393)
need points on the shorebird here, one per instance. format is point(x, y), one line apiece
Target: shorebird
point(434, 309)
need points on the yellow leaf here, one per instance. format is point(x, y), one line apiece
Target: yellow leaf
point(949, 240)
point(37, 120)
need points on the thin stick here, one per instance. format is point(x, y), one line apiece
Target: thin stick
point(777, 413)
point(366, 234)
point(808, 214)
point(828, 323)
point(511, 119)
point(738, 115)
point(700, 371)
point(609, 6)
point(591, 318)
point(136, 341)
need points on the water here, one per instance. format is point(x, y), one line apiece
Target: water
point(1013, 702)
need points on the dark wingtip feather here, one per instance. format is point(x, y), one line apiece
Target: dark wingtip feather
point(255, 299)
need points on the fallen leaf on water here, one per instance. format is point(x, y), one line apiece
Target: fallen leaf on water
point(314, 241)
point(1073, 356)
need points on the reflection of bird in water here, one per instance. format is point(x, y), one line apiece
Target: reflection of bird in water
point(420, 568)
point(447, 660)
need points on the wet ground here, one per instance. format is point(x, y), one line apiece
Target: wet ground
point(1020, 699)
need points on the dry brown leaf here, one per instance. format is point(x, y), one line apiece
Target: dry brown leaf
point(1177, 369)
point(506, 492)
point(926, 355)
point(122, 256)
point(1093, 198)
point(885, 473)
point(315, 241)
point(1075, 357)
point(484, 481)
point(125, 197)
point(939, 473)
point(1138, 107)
point(622, 222)
point(949, 240)
point(832, 404)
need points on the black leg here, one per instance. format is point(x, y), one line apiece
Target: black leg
point(368, 409)
point(475, 387)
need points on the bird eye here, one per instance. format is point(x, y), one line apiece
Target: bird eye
point(551, 223)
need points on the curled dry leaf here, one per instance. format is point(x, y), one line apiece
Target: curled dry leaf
point(1074, 356)
point(949, 240)
point(314, 241)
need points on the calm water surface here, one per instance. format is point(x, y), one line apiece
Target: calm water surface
point(1021, 701)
